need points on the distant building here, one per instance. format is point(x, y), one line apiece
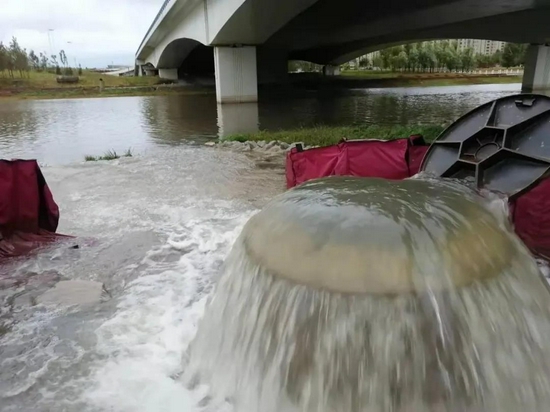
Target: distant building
point(481, 46)
point(123, 71)
point(116, 66)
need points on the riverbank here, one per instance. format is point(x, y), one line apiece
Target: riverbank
point(44, 85)
point(378, 79)
point(82, 92)
point(326, 135)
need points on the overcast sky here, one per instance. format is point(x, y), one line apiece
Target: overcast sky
point(100, 32)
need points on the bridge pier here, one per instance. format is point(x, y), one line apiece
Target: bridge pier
point(238, 118)
point(330, 70)
point(236, 74)
point(169, 74)
point(536, 75)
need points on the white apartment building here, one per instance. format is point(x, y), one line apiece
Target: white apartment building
point(481, 46)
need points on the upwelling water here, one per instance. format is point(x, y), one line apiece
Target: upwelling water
point(366, 295)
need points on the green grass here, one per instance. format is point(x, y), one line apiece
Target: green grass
point(325, 136)
point(406, 79)
point(45, 80)
point(108, 155)
point(94, 93)
point(42, 85)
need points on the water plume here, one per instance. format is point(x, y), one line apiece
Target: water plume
point(348, 295)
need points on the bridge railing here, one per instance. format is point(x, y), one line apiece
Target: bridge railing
point(163, 7)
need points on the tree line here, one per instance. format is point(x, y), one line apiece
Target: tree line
point(431, 57)
point(15, 59)
point(442, 56)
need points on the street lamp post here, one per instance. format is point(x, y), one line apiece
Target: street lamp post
point(51, 40)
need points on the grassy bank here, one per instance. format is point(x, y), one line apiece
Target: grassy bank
point(77, 93)
point(399, 79)
point(324, 135)
point(44, 86)
point(45, 80)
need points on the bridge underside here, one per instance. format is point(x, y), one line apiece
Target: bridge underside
point(527, 26)
point(330, 32)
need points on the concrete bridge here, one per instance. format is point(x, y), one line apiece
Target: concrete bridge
point(246, 42)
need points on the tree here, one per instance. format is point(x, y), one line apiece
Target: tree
point(413, 57)
point(513, 55)
point(18, 59)
point(22, 62)
point(79, 70)
point(63, 58)
point(365, 62)
point(441, 52)
point(399, 61)
point(467, 59)
point(3, 58)
point(386, 55)
point(445, 54)
point(34, 61)
point(452, 60)
point(377, 61)
point(44, 61)
point(427, 58)
point(54, 60)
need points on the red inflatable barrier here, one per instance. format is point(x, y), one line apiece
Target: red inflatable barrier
point(394, 159)
point(531, 218)
point(28, 212)
point(399, 159)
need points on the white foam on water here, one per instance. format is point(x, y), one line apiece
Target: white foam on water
point(142, 345)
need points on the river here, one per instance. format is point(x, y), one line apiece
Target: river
point(154, 228)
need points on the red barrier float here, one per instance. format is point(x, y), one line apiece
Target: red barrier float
point(402, 158)
point(394, 159)
point(28, 213)
point(530, 214)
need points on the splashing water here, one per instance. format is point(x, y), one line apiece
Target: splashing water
point(350, 294)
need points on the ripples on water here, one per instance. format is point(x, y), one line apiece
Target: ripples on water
point(155, 230)
point(64, 131)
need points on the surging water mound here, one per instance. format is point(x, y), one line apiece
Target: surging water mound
point(349, 294)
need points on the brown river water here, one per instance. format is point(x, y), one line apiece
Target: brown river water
point(155, 229)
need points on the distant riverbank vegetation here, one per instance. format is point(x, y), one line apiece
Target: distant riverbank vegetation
point(30, 74)
point(16, 60)
point(327, 135)
point(440, 56)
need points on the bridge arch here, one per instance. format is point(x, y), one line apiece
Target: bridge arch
point(175, 53)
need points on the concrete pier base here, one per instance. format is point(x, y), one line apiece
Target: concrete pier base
point(236, 74)
point(150, 71)
point(237, 118)
point(170, 74)
point(330, 70)
point(536, 76)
